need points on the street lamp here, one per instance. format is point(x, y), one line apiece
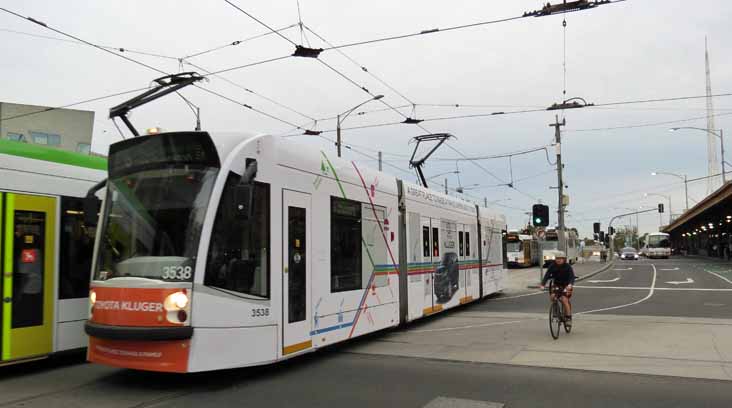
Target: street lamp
point(660, 222)
point(681, 176)
point(341, 117)
point(720, 135)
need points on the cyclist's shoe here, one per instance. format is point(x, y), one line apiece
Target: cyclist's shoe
point(568, 320)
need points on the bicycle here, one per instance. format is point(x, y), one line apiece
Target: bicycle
point(556, 313)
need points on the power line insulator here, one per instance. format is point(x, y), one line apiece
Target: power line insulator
point(307, 52)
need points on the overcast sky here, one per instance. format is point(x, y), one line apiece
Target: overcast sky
point(620, 52)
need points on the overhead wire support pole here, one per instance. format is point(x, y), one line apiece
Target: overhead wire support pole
point(560, 187)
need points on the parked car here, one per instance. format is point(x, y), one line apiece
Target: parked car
point(629, 253)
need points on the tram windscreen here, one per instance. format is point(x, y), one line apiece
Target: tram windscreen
point(154, 210)
point(658, 241)
point(514, 246)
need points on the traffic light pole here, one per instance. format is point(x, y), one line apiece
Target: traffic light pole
point(558, 140)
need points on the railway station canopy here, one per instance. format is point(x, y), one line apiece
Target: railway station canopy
point(705, 228)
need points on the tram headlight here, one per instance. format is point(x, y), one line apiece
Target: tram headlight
point(176, 301)
point(92, 297)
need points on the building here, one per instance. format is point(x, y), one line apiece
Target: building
point(67, 129)
point(706, 228)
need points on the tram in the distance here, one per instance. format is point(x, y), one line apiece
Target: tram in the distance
point(219, 251)
point(45, 249)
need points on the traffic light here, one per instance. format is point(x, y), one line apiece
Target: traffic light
point(601, 234)
point(660, 207)
point(540, 215)
point(611, 231)
point(596, 227)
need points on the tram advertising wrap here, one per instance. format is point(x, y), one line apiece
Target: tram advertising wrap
point(208, 242)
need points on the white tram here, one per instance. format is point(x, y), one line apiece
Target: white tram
point(228, 251)
point(45, 249)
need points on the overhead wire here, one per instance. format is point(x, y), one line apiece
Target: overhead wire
point(111, 48)
point(31, 19)
point(362, 67)
point(57, 31)
point(237, 42)
point(260, 22)
point(69, 105)
point(244, 88)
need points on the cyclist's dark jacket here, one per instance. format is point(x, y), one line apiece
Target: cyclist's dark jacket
point(563, 275)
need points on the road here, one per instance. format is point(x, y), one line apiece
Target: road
point(638, 341)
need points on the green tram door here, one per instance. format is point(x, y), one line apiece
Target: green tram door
point(27, 245)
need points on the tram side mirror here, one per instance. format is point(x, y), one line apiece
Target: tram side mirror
point(92, 204)
point(243, 203)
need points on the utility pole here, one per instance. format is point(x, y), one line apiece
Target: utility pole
point(485, 202)
point(560, 188)
point(198, 118)
point(445, 185)
point(380, 168)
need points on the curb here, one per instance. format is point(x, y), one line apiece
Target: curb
point(579, 278)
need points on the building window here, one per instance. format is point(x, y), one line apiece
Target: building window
point(84, 148)
point(16, 137)
point(43, 138)
point(238, 256)
point(77, 244)
point(345, 245)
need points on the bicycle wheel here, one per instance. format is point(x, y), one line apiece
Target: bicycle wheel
point(554, 319)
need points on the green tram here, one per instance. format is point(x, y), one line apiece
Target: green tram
point(45, 249)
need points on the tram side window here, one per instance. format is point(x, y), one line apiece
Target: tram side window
point(426, 241)
point(77, 245)
point(460, 240)
point(467, 243)
point(345, 245)
point(238, 256)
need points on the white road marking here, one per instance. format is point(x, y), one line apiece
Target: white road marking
point(624, 269)
point(472, 326)
point(650, 293)
point(671, 269)
point(516, 296)
point(719, 276)
point(604, 281)
point(688, 280)
point(648, 287)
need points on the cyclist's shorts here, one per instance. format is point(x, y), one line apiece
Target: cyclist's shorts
point(562, 287)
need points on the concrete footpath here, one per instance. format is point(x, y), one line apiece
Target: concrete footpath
point(521, 279)
point(669, 346)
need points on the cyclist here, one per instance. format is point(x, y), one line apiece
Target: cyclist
point(563, 278)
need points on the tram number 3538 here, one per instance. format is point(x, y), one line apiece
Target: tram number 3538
point(260, 312)
point(177, 272)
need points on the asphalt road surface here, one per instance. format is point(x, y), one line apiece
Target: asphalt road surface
point(351, 376)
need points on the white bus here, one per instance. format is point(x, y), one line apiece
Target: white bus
point(220, 251)
point(45, 249)
point(657, 245)
point(522, 250)
point(550, 246)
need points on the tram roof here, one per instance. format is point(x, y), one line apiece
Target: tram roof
point(51, 154)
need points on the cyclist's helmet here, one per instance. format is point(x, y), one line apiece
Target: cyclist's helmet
point(560, 255)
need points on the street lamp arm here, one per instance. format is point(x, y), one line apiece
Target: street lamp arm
point(345, 114)
point(696, 128)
